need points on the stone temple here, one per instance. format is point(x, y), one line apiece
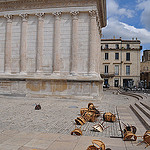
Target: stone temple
point(51, 47)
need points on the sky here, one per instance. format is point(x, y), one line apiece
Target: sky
point(128, 19)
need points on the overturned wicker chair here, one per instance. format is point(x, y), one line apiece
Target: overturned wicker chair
point(129, 133)
point(89, 116)
point(100, 144)
point(109, 117)
point(80, 121)
point(77, 131)
point(146, 138)
point(90, 108)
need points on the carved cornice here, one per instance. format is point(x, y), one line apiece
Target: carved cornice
point(44, 4)
point(101, 5)
point(41, 4)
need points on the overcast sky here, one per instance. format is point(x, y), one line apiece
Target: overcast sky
point(128, 19)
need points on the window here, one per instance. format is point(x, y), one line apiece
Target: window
point(127, 56)
point(106, 46)
point(117, 56)
point(128, 46)
point(106, 56)
point(117, 46)
point(127, 70)
point(116, 69)
point(106, 68)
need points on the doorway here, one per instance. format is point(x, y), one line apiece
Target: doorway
point(126, 82)
point(116, 82)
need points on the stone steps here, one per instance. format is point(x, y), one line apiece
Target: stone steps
point(142, 113)
point(145, 105)
point(137, 96)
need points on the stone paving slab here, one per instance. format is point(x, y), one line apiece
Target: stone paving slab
point(68, 142)
point(41, 144)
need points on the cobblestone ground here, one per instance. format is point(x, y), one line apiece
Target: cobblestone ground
point(57, 115)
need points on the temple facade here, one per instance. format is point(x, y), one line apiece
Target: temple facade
point(51, 47)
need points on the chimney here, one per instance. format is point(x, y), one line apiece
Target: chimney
point(132, 38)
point(136, 38)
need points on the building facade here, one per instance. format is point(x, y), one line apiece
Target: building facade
point(50, 47)
point(145, 69)
point(120, 62)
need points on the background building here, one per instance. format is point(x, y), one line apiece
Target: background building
point(120, 62)
point(50, 47)
point(145, 69)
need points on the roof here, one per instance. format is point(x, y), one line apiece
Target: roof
point(121, 40)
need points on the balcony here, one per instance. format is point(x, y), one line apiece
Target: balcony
point(107, 75)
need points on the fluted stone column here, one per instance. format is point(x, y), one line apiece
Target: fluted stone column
point(40, 41)
point(23, 50)
point(8, 48)
point(56, 51)
point(93, 43)
point(74, 54)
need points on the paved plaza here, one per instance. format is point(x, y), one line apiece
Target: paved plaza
point(23, 128)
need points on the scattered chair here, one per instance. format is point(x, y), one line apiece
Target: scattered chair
point(99, 127)
point(109, 117)
point(77, 131)
point(91, 108)
point(129, 133)
point(146, 138)
point(80, 121)
point(100, 144)
point(37, 107)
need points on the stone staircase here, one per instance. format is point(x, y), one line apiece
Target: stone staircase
point(141, 108)
point(142, 112)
